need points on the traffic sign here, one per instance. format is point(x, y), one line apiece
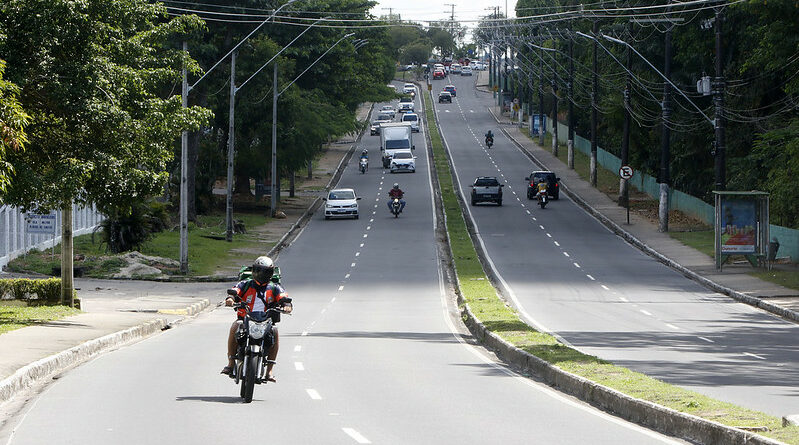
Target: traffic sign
point(626, 172)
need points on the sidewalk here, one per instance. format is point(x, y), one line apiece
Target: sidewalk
point(734, 280)
point(117, 312)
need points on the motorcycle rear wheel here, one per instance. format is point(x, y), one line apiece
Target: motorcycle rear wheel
point(250, 374)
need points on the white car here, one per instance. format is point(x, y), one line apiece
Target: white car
point(409, 88)
point(388, 109)
point(403, 161)
point(413, 118)
point(341, 203)
point(406, 107)
point(455, 68)
point(466, 71)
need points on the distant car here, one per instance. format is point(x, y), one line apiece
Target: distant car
point(406, 107)
point(409, 88)
point(341, 203)
point(553, 184)
point(382, 118)
point(413, 118)
point(403, 161)
point(444, 96)
point(452, 90)
point(438, 74)
point(486, 189)
point(455, 68)
point(466, 71)
point(388, 109)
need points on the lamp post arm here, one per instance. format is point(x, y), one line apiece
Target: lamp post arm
point(314, 63)
point(279, 52)
point(240, 43)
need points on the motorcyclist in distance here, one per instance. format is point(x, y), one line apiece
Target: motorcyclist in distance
point(396, 192)
point(489, 136)
point(365, 154)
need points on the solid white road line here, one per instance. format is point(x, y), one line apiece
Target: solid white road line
point(754, 355)
point(356, 436)
point(313, 394)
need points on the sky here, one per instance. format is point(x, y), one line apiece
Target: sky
point(425, 10)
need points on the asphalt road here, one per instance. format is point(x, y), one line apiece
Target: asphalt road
point(571, 276)
point(374, 353)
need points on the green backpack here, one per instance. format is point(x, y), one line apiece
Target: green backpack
point(245, 273)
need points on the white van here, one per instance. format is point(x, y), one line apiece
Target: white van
point(413, 119)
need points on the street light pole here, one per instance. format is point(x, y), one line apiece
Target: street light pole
point(718, 99)
point(231, 149)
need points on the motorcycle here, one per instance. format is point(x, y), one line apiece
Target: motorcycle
point(489, 142)
point(363, 165)
point(396, 205)
point(542, 198)
point(255, 337)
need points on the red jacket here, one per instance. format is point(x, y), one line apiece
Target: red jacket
point(252, 292)
point(396, 193)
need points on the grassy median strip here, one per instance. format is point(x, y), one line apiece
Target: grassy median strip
point(500, 318)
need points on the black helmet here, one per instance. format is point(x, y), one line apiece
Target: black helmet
point(396, 186)
point(262, 269)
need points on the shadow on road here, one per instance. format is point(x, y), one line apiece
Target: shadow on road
point(215, 399)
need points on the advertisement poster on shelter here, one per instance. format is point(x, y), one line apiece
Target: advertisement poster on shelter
point(739, 223)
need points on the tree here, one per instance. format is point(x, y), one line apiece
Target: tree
point(12, 127)
point(418, 52)
point(89, 76)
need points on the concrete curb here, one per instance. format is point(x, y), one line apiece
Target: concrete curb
point(635, 410)
point(639, 411)
point(194, 309)
point(630, 238)
point(37, 371)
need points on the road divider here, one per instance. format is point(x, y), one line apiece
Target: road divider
point(629, 395)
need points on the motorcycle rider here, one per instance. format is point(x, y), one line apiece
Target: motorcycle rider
point(396, 192)
point(365, 154)
point(260, 294)
point(490, 136)
point(542, 186)
point(363, 161)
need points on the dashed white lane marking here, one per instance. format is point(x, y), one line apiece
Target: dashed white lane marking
point(297, 348)
point(706, 339)
point(356, 436)
point(512, 190)
point(332, 300)
point(346, 276)
point(590, 277)
point(374, 211)
point(576, 265)
point(377, 199)
point(365, 235)
point(341, 288)
point(542, 227)
point(380, 188)
point(754, 355)
point(676, 328)
point(523, 206)
point(605, 287)
point(368, 227)
point(624, 299)
point(566, 253)
point(534, 219)
point(324, 310)
point(361, 244)
point(528, 212)
point(357, 254)
point(375, 207)
point(548, 235)
point(645, 312)
point(352, 265)
point(304, 333)
point(313, 394)
point(557, 243)
point(299, 366)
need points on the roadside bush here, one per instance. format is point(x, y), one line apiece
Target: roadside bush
point(127, 229)
point(33, 292)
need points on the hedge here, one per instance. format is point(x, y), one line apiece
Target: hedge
point(33, 292)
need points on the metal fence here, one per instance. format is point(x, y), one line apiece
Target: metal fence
point(15, 240)
point(690, 205)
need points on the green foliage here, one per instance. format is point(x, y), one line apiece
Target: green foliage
point(126, 230)
point(12, 123)
point(92, 76)
point(33, 292)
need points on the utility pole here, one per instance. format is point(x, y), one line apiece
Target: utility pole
point(184, 190)
point(274, 185)
point(554, 106)
point(541, 99)
point(625, 140)
point(718, 100)
point(231, 147)
point(594, 94)
point(664, 176)
point(390, 13)
point(569, 88)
